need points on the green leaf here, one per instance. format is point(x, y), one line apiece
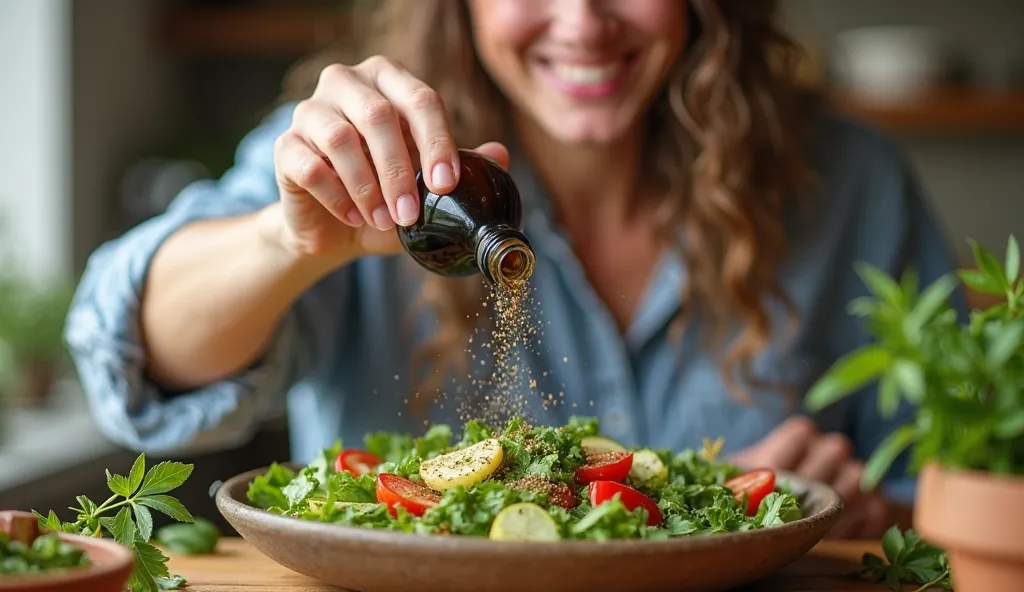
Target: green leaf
point(150, 564)
point(888, 395)
point(886, 453)
point(910, 378)
point(988, 264)
point(880, 284)
point(931, 301)
point(119, 485)
point(49, 522)
point(1004, 345)
point(1012, 259)
point(166, 504)
point(122, 528)
point(892, 578)
point(198, 538)
point(143, 521)
point(140, 580)
point(164, 477)
point(847, 375)
point(87, 505)
point(979, 282)
point(1011, 426)
point(137, 473)
point(893, 545)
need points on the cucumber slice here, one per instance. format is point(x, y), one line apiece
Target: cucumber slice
point(647, 467)
point(594, 444)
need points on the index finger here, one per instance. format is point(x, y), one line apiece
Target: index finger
point(424, 109)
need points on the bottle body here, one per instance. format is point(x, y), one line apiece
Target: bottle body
point(475, 228)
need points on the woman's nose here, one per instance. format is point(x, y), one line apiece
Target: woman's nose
point(580, 21)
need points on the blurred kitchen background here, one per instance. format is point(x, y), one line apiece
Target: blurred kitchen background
point(109, 107)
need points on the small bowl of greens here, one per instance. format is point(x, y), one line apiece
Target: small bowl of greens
point(35, 561)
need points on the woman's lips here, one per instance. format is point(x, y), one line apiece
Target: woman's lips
point(586, 81)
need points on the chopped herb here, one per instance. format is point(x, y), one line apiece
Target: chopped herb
point(908, 560)
point(46, 553)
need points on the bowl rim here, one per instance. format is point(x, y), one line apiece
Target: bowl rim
point(234, 509)
point(123, 558)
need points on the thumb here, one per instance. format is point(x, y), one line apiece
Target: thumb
point(495, 150)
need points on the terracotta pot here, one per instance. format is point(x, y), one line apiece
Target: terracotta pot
point(978, 519)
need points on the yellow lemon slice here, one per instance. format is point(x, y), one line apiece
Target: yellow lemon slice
point(465, 467)
point(524, 522)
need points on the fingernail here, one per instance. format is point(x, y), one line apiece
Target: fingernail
point(382, 218)
point(442, 175)
point(407, 208)
point(354, 217)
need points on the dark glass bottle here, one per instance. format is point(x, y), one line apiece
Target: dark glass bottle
point(476, 228)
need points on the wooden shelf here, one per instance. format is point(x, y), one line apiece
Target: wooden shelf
point(952, 110)
point(292, 33)
point(261, 32)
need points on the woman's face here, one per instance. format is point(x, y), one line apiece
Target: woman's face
point(584, 70)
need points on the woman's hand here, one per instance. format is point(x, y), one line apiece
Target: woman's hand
point(346, 168)
point(798, 446)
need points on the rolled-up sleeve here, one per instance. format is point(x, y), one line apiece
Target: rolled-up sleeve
point(103, 327)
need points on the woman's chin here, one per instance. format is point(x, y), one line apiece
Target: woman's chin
point(586, 132)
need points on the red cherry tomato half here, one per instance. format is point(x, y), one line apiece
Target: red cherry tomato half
point(756, 484)
point(393, 491)
point(602, 491)
point(357, 462)
point(605, 466)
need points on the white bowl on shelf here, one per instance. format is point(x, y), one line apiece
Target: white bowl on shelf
point(889, 65)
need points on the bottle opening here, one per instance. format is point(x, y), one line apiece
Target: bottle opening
point(511, 262)
point(516, 265)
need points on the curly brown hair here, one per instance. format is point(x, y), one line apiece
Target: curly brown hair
point(725, 148)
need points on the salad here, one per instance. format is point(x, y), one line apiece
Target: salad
point(525, 483)
point(24, 550)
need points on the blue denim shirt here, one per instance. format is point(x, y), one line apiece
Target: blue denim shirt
point(341, 357)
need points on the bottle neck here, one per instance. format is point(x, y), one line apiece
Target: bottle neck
point(504, 255)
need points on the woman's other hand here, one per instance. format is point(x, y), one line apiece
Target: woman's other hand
point(346, 168)
point(798, 446)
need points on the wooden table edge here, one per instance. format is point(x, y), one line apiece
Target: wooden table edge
point(239, 567)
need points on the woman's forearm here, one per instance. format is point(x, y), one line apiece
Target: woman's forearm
point(215, 295)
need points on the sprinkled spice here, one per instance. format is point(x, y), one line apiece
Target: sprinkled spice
point(504, 393)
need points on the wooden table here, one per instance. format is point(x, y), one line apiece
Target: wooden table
point(238, 567)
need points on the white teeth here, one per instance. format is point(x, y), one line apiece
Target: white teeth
point(577, 74)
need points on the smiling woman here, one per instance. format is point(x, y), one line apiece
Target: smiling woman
point(663, 152)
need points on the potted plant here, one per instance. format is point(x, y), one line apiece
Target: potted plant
point(32, 315)
point(965, 381)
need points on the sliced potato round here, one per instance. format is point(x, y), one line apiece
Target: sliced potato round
point(465, 467)
point(595, 444)
point(647, 467)
point(524, 522)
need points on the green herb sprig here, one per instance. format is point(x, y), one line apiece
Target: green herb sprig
point(964, 379)
point(133, 499)
point(908, 560)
